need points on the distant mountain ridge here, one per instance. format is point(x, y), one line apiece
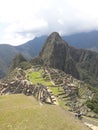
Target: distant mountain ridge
point(86, 40)
point(32, 48)
point(29, 50)
point(7, 53)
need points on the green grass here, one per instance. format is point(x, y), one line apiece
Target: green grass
point(36, 77)
point(20, 112)
point(56, 90)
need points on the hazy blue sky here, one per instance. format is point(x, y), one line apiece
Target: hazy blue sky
point(22, 20)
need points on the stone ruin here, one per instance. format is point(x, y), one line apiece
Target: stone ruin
point(20, 84)
point(74, 92)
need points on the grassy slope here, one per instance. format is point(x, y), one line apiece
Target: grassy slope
point(19, 112)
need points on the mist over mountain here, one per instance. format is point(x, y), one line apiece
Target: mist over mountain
point(32, 48)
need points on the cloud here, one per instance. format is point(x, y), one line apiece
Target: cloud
point(20, 32)
point(22, 20)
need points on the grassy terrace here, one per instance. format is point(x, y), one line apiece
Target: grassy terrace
point(36, 77)
point(20, 112)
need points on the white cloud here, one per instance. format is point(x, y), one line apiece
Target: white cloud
point(22, 20)
point(20, 32)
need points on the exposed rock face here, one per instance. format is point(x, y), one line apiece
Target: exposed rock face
point(54, 51)
point(56, 54)
point(81, 64)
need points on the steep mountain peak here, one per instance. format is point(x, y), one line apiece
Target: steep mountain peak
point(55, 35)
point(54, 51)
point(54, 38)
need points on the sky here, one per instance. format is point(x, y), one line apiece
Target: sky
point(22, 20)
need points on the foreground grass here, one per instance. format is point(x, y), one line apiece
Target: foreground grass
point(19, 112)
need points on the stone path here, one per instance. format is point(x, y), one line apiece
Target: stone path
point(93, 127)
point(90, 123)
point(53, 97)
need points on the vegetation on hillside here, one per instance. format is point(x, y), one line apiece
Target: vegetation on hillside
point(93, 103)
point(20, 61)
